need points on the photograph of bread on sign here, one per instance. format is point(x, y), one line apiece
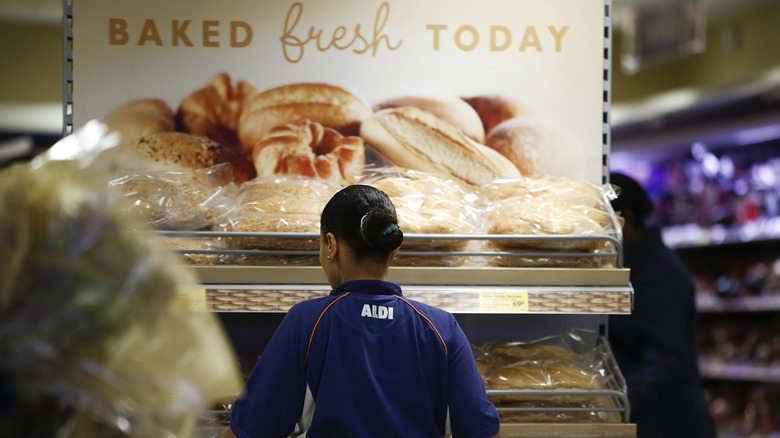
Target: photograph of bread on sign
point(291, 100)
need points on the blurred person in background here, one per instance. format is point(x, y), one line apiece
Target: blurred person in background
point(655, 346)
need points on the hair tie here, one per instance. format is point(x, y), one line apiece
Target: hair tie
point(389, 229)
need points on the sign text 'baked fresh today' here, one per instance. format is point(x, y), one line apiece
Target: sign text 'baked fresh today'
point(368, 37)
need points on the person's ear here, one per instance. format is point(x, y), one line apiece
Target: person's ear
point(332, 245)
point(629, 218)
point(394, 254)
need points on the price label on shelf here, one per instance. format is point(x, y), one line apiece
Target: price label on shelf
point(192, 298)
point(515, 301)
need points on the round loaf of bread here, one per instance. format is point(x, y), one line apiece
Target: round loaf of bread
point(213, 111)
point(177, 151)
point(427, 204)
point(328, 105)
point(537, 206)
point(139, 118)
point(286, 203)
point(452, 110)
point(168, 152)
point(307, 148)
point(493, 109)
point(538, 148)
point(249, 221)
point(415, 139)
point(172, 200)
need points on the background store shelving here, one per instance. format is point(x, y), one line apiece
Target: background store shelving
point(714, 174)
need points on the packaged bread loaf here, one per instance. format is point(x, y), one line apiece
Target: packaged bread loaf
point(279, 204)
point(428, 204)
point(567, 361)
point(184, 200)
point(550, 207)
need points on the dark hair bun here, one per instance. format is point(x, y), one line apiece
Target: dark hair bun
point(379, 229)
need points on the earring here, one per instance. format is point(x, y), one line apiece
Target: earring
point(328, 257)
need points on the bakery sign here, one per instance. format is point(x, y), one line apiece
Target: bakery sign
point(540, 63)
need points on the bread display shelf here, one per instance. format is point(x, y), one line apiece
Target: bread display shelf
point(547, 430)
point(615, 389)
point(542, 243)
point(458, 289)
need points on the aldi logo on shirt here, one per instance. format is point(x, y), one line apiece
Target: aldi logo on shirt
point(376, 311)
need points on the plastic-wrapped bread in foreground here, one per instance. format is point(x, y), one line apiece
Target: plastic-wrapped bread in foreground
point(566, 361)
point(183, 200)
point(428, 204)
point(279, 204)
point(551, 207)
point(94, 340)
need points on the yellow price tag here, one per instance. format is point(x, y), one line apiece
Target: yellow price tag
point(515, 301)
point(190, 298)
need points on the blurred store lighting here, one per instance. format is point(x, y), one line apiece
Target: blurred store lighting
point(698, 150)
point(710, 165)
point(757, 135)
point(763, 176)
point(726, 168)
point(31, 117)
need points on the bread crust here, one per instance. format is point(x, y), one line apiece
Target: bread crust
point(537, 148)
point(329, 105)
point(179, 150)
point(454, 111)
point(493, 109)
point(308, 148)
point(414, 139)
point(140, 117)
point(214, 110)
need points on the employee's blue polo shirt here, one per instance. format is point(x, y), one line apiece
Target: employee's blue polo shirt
point(373, 364)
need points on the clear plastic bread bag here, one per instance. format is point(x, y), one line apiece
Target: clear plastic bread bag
point(571, 360)
point(94, 338)
point(428, 204)
point(560, 215)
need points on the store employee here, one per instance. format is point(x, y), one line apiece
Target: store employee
point(364, 361)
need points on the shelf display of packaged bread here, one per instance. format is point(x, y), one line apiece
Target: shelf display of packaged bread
point(482, 288)
point(548, 385)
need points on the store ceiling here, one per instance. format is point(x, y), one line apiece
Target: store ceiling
point(50, 11)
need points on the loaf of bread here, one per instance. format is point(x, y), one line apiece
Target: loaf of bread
point(414, 139)
point(185, 200)
point(428, 204)
point(452, 110)
point(213, 111)
point(308, 148)
point(541, 366)
point(328, 105)
point(493, 109)
point(538, 148)
point(138, 118)
point(285, 204)
point(541, 207)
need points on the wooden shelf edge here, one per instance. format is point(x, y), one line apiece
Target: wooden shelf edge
point(439, 276)
point(569, 430)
